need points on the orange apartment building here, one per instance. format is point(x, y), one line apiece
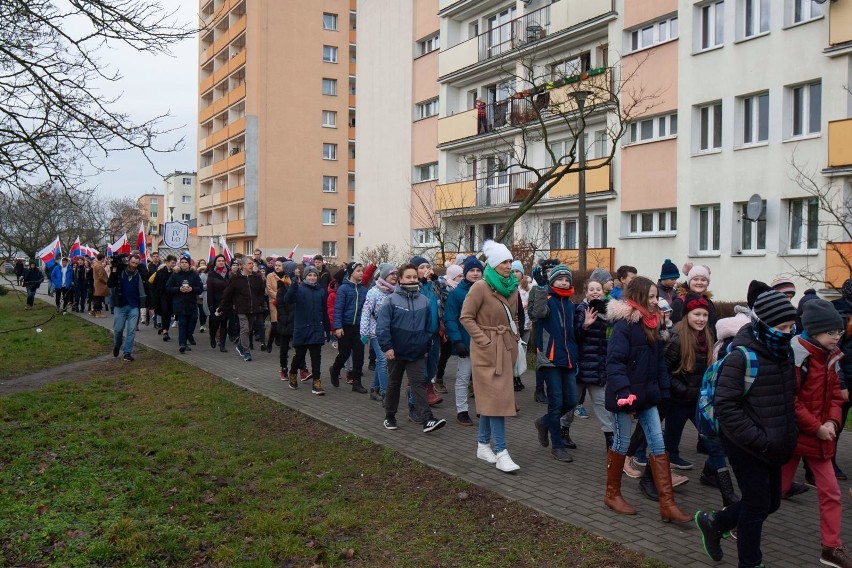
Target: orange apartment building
point(151, 207)
point(276, 138)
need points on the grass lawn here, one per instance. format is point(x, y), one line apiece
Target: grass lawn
point(157, 463)
point(63, 339)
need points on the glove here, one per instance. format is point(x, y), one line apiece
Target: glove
point(627, 401)
point(365, 339)
point(538, 276)
point(461, 349)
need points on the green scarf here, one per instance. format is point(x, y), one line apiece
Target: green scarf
point(503, 286)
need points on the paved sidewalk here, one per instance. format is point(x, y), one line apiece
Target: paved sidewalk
point(570, 492)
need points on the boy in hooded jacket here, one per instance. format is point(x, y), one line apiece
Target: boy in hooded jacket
point(310, 325)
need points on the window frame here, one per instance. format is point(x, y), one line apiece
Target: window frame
point(713, 228)
point(333, 20)
point(186, 217)
point(332, 83)
point(705, 30)
point(751, 119)
point(427, 109)
point(583, 65)
point(424, 237)
point(635, 223)
point(634, 37)
point(329, 249)
point(332, 156)
point(634, 131)
point(809, 205)
point(806, 118)
point(184, 199)
point(754, 9)
point(814, 11)
point(186, 181)
point(329, 114)
point(712, 127)
point(431, 172)
point(329, 54)
point(329, 217)
point(332, 184)
point(429, 44)
point(756, 230)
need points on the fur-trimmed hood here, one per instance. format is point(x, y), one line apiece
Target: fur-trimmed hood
point(728, 327)
point(682, 289)
point(620, 310)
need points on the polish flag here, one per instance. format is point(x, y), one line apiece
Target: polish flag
point(51, 253)
point(76, 249)
point(212, 255)
point(229, 258)
point(121, 246)
point(140, 243)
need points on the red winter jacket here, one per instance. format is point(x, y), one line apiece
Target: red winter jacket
point(818, 398)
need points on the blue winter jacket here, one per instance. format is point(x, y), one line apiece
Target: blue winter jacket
point(57, 279)
point(348, 303)
point(431, 291)
point(404, 325)
point(633, 366)
point(555, 343)
point(452, 311)
point(310, 314)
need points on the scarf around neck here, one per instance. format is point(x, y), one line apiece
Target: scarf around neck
point(776, 342)
point(383, 285)
point(563, 293)
point(651, 321)
point(503, 286)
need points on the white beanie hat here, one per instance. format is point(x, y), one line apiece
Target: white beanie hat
point(698, 270)
point(495, 253)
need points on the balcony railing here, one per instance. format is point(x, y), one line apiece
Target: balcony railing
point(840, 143)
point(514, 34)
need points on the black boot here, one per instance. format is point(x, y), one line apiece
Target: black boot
point(726, 487)
point(519, 386)
point(270, 342)
point(708, 476)
point(566, 437)
point(647, 487)
point(609, 438)
point(358, 387)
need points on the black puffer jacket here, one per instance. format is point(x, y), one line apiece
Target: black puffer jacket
point(286, 312)
point(677, 307)
point(763, 423)
point(686, 384)
point(592, 344)
point(216, 284)
point(247, 294)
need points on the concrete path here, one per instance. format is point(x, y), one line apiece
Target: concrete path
point(571, 492)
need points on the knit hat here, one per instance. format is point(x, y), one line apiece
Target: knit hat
point(846, 289)
point(471, 262)
point(600, 275)
point(785, 286)
point(695, 302)
point(696, 271)
point(669, 270)
point(311, 269)
point(518, 265)
point(460, 258)
point(386, 269)
point(418, 260)
point(454, 271)
point(289, 268)
point(820, 316)
point(663, 305)
point(755, 289)
point(558, 272)
point(350, 268)
point(773, 308)
point(495, 253)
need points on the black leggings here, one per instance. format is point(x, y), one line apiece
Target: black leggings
point(350, 343)
point(218, 323)
point(285, 351)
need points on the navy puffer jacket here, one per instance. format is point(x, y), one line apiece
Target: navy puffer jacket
point(633, 366)
point(592, 344)
point(310, 313)
point(686, 384)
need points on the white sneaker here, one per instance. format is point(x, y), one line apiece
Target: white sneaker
point(202, 329)
point(484, 452)
point(505, 463)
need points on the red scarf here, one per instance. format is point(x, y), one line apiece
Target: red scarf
point(651, 321)
point(563, 293)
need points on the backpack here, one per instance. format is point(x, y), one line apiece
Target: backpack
point(705, 417)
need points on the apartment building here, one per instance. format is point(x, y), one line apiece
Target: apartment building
point(151, 207)
point(277, 125)
point(180, 198)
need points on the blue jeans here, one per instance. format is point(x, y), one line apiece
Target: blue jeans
point(31, 292)
point(186, 326)
point(677, 415)
point(380, 376)
point(561, 396)
point(493, 426)
point(126, 317)
point(649, 420)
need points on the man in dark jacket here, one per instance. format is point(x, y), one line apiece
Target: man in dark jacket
point(404, 334)
point(162, 301)
point(128, 295)
point(32, 279)
point(184, 286)
point(247, 294)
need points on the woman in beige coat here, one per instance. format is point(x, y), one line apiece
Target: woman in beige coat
point(272, 279)
point(489, 315)
point(101, 289)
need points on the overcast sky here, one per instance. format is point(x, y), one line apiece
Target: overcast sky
point(152, 86)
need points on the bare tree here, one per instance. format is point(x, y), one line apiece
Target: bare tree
point(55, 122)
point(427, 213)
point(384, 252)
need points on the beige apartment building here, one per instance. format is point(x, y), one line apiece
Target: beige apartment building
point(151, 207)
point(181, 198)
point(276, 139)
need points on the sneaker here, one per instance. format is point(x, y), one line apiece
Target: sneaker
point(202, 329)
point(282, 374)
point(182, 349)
point(440, 387)
point(349, 379)
point(485, 453)
point(561, 454)
point(838, 557)
point(375, 395)
point(432, 424)
point(678, 480)
point(174, 324)
point(166, 337)
point(240, 351)
point(294, 383)
point(390, 424)
point(641, 461)
point(711, 537)
point(543, 437)
point(128, 357)
point(335, 378)
point(212, 342)
point(247, 356)
point(505, 463)
point(678, 462)
point(463, 418)
point(316, 388)
point(115, 351)
point(191, 340)
point(305, 375)
point(630, 469)
point(580, 412)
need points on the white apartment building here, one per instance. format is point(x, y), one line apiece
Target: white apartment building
point(180, 198)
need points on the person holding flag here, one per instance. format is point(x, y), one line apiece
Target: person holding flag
point(62, 278)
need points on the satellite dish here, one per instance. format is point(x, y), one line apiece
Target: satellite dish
point(754, 208)
point(820, 1)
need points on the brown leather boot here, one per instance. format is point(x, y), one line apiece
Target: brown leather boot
point(663, 480)
point(613, 498)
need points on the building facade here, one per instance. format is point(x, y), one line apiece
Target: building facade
point(151, 208)
point(180, 198)
point(277, 125)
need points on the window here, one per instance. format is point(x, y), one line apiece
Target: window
point(803, 224)
point(329, 54)
point(654, 128)
point(709, 233)
point(329, 248)
point(248, 247)
point(329, 119)
point(710, 127)
point(658, 223)
point(428, 45)
point(804, 10)
point(185, 217)
point(571, 234)
point(555, 235)
point(752, 232)
point(329, 22)
point(806, 109)
point(573, 66)
point(755, 17)
point(186, 199)
point(329, 216)
point(187, 181)
point(329, 151)
point(329, 87)
point(153, 214)
point(329, 184)
point(653, 34)
point(712, 22)
point(755, 119)
point(154, 201)
point(427, 109)
point(424, 237)
point(426, 172)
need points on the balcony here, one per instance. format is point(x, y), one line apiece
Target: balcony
point(838, 264)
point(840, 143)
point(840, 23)
point(207, 83)
point(595, 257)
point(238, 226)
point(458, 195)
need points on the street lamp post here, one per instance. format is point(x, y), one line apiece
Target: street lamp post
point(580, 97)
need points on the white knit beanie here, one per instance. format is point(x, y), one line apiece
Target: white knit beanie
point(495, 253)
point(698, 270)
